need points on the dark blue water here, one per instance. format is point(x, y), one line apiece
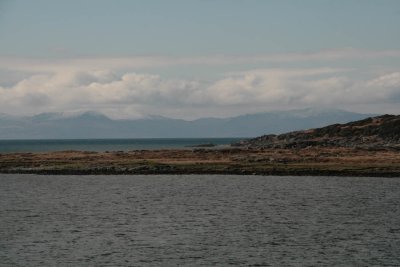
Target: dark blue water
point(197, 220)
point(8, 146)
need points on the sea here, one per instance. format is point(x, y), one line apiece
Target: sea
point(101, 145)
point(198, 220)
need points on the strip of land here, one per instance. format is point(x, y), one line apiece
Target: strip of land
point(329, 161)
point(369, 147)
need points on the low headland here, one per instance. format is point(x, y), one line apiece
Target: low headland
point(369, 147)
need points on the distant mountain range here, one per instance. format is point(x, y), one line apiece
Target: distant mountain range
point(97, 125)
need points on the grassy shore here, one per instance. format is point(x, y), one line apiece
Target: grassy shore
point(309, 161)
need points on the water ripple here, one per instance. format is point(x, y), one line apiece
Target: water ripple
point(198, 221)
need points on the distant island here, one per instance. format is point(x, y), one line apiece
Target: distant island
point(368, 147)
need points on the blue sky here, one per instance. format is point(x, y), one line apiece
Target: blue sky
point(198, 58)
point(120, 28)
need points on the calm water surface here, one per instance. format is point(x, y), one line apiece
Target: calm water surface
point(11, 146)
point(198, 220)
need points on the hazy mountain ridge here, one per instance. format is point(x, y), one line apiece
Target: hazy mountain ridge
point(96, 125)
point(373, 132)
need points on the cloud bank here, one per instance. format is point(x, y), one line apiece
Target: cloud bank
point(134, 94)
point(124, 87)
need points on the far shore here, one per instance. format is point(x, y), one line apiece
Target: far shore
point(311, 161)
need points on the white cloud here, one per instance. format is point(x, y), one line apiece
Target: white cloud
point(135, 94)
point(122, 87)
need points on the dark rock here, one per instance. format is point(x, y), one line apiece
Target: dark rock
point(381, 131)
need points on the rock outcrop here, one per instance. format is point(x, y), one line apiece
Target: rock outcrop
point(375, 132)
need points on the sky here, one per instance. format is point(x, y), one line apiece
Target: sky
point(190, 59)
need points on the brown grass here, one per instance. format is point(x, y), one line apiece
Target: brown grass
point(257, 160)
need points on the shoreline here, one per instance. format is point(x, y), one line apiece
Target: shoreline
point(312, 161)
point(298, 173)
